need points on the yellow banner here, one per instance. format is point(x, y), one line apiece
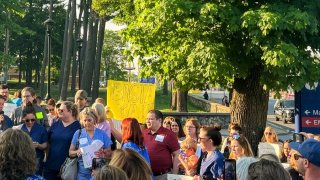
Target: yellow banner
point(130, 99)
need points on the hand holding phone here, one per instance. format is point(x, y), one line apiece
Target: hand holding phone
point(297, 137)
point(229, 172)
point(98, 163)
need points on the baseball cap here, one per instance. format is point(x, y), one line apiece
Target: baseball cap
point(82, 94)
point(309, 149)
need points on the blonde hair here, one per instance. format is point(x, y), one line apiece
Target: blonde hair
point(88, 112)
point(132, 163)
point(245, 145)
point(189, 143)
point(99, 108)
point(17, 155)
point(275, 136)
point(110, 172)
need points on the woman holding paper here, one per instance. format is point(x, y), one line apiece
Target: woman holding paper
point(90, 138)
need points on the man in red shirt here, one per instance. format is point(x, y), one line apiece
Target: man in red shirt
point(162, 145)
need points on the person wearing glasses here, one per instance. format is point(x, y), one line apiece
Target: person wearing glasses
point(37, 133)
point(88, 135)
point(212, 161)
point(52, 115)
point(29, 95)
point(293, 158)
point(270, 137)
point(60, 135)
point(308, 158)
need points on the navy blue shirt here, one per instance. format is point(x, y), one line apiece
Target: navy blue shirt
point(38, 134)
point(60, 139)
point(6, 123)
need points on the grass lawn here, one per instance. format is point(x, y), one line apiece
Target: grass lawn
point(162, 101)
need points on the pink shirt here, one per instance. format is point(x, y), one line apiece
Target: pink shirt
point(105, 126)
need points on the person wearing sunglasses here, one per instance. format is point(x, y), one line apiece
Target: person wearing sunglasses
point(60, 135)
point(52, 115)
point(293, 158)
point(308, 158)
point(270, 136)
point(37, 133)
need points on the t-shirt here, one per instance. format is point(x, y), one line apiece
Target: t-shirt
point(60, 139)
point(38, 134)
point(85, 140)
point(142, 151)
point(160, 146)
point(212, 166)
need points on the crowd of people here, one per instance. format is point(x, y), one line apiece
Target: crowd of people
point(36, 138)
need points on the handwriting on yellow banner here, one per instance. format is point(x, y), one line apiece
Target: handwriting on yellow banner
point(130, 99)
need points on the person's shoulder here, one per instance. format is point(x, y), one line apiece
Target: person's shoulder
point(166, 131)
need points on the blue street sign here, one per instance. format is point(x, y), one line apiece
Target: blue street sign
point(148, 80)
point(307, 110)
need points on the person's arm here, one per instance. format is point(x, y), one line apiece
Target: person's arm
point(182, 161)
point(117, 135)
point(175, 160)
point(73, 152)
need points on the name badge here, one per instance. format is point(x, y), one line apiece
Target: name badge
point(159, 138)
point(83, 141)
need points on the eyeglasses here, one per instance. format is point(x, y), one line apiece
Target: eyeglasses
point(268, 133)
point(297, 156)
point(51, 110)
point(28, 120)
point(190, 127)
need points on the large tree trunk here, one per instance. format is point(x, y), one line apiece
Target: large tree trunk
point(249, 106)
point(182, 97)
point(87, 75)
point(86, 9)
point(64, 48)
point(64, 88)
point(96, 75)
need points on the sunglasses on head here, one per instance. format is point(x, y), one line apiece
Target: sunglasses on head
point(28, 120)
point(236, 136)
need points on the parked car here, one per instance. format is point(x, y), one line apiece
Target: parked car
point(284, 110)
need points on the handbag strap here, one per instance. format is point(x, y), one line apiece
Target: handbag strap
point(77, 144)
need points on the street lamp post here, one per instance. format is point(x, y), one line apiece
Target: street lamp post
point(49, 23)
point(79, 41)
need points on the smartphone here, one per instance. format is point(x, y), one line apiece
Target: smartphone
point(229, 172)
point(297, 137)
point(98, 163)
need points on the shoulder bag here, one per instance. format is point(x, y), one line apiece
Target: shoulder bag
point(69, 168)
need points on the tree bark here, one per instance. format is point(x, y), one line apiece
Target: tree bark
point(165, 87)
point(87, 75)
point(96, 75)
point(173, 101)
point(64, 88)
point(86, 13)
point(249, 106)
point(182, 97)
point(64, 48)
